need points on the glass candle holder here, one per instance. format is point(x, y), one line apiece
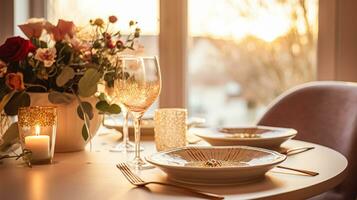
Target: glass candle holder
point(37, 128)
point(170, 128)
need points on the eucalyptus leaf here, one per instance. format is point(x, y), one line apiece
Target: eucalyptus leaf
point(109, 78)
point(101, 96)
point(10, 137)
point(102, 106)
point(85, 134)
point(60, 98)
point(88, 83)
point(86, 118)
point(19, 99)
point(66, 74)
point(88, 109)
point(114, 109)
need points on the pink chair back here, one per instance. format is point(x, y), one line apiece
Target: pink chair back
point(324, 113)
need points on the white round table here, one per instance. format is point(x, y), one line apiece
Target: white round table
point(93, 175)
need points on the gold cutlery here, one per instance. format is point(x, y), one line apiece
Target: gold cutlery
point(137, 181)
point(294, 151)
point(307, 172)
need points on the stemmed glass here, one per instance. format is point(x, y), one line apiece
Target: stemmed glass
point(137, 86)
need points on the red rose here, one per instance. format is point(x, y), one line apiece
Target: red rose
point(15, 49)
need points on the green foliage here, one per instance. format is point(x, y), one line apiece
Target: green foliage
point(88, 83)
point(114, 109)
point(19, 99)
point(65, 52)
point(66, 74)
point(87, 108)
point(60, 97)
point(101, 97)
point(38, 43)
point(104, 107)
point(85, 134)
point(110, 78)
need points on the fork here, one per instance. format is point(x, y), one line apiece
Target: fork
point(137, 181)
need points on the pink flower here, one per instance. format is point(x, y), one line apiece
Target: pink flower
point(79, 45)
point(3, 69)
point(63, 28)
point(87, 56)
point(46, 55)
point(15, 81)
point(34, 27)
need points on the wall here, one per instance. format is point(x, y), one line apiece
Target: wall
point(337, 40)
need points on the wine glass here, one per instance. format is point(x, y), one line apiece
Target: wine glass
point(137, 86)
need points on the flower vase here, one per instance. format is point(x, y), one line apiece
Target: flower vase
point(69, 125)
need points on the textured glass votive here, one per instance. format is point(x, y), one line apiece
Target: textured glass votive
point(37, 128)
point(170, 128)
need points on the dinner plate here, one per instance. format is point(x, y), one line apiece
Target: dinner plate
point(216, 165)
point(257, 136)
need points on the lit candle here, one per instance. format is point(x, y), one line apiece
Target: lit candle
point(38, 144)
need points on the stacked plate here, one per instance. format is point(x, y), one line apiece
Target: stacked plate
point(237, 155)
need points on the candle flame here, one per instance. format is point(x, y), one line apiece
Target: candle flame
point(37, 129)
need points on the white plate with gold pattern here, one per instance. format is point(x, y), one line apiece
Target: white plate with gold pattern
point(257, 136)
point(216, 165)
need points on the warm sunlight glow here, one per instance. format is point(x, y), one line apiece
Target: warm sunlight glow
point(219, 18)
point(215, 18)
point(144, 11)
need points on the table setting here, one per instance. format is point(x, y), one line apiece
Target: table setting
point(55, 95)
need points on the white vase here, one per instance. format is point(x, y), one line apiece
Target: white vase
point(69, 124)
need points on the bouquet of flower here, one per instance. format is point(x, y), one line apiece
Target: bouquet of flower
point(63, 60)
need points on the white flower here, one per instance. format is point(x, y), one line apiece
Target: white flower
point(46, 55)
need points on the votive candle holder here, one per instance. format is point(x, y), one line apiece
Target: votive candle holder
point(37, 127)
point(170, 128)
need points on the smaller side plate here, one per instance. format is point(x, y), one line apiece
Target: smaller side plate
point(257, 136)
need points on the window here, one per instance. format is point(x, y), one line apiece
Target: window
point(243, 54)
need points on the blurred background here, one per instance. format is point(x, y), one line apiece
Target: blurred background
point(225, 60)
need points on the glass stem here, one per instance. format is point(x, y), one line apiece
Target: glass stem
point(125, 127)
point(137, 124)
